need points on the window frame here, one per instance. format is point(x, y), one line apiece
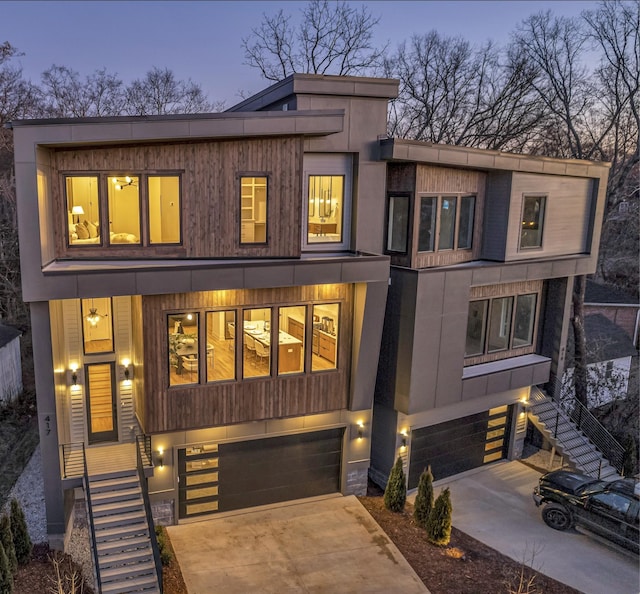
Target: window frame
point(407, 237)
point(486, 323)
point(458, 198)
point(108, 315)
point(182, 313)
point(541, 222)
point(253, 174)
point(343, 176)
point(103, 207)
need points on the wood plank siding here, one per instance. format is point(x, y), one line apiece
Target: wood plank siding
point(206, 405)
point(427, 180)
point(210, 194)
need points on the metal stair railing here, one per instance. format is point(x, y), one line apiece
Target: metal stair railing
point(143, 447)
point(92, 530)
point(73, 459)
point(593, 429)
point(584, 421)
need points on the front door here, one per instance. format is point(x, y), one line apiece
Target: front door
point(101, 403)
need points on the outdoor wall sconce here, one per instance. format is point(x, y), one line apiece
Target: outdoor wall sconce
point(403, 442)
point(360, 429)
point(128, 370)
point(161, 457)
point(73, 379)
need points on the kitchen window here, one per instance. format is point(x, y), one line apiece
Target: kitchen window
point(184, 348)
point(449, 219)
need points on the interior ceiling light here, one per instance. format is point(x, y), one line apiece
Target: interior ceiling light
point(123, 183)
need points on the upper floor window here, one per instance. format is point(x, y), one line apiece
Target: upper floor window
point(108, 211)
point(446, 223)
point(253, 210)
point(532, 222)
point(493, 325)
point(325, 208)
point(398, 224)
point(97, 325)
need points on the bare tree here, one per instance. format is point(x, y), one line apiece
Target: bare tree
point(159, 93)
point(65, 94)
point(455, 94)
point(332, 38)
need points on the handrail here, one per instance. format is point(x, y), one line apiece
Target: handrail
point(92, 529)
point(143, 443)
point(594, 430)
point(584, 421)
point(70, 464)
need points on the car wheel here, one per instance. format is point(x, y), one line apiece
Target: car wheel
point(557, 517)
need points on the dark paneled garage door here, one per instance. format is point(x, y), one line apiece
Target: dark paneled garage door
point(262, 471)
point(460, 444)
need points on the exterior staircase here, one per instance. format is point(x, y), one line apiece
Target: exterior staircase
point(568, 435)
point(124, 553)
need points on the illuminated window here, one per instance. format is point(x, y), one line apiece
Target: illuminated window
point(124, 209)
point(253, 210)
point(184, 348)
point(83, 210)
point(326, 326)
point(325, 208)
point(97, 325)
point(221, 345)
point(291, 339)
point(257, 334)
point(164, 208)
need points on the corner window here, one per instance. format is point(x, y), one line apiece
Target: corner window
point(97, 326)
point(83, 210)
point(450, 219)
point(164, 208)
point(325, 208)
point(398, 224)
point(124, 209)
point(253, 210)
point(184, 348)
point(325, 335)
point(532, 222)
point(494, 325)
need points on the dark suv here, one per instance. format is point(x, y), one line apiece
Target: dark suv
point(607, 509)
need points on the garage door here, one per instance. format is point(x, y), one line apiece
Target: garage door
point(229, 476)
point(460, 444)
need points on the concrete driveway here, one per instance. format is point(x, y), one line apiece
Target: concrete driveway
point(494, 505)
point(320, 545)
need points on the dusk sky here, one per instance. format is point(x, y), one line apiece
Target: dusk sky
point(202, 40)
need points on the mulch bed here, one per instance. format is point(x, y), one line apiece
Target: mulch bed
point(466, 566)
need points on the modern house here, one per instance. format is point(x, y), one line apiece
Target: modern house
point(208, 297)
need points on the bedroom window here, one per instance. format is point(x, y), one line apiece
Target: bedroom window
point(532, 222)
point(124, 209)
point(163, 193)
point(83, 210)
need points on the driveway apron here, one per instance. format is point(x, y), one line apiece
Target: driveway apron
point(318, 546)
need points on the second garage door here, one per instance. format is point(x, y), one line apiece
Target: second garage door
point(262, 471)
point(459, 444)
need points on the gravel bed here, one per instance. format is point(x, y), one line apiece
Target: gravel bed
point(29, 491)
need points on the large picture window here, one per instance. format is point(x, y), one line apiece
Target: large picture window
point(257, 333)
point(184, 348)
point(107, 210)
point(221, 345)
point(325, 208)
point(532, 222)
point(494, 325)
point(451, 218)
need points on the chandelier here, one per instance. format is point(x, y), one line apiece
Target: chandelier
point(123, 183)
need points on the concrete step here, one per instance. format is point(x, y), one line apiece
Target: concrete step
point(99, 485)
point(112, 574)
point(125, 558)
point(579, 450)
point(113, 496)
point(119, 507)
point(147, 584)
point(115, 474)
point(120, 532)
point(131, 543)
point(124, 519)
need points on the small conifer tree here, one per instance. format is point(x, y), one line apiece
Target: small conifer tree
point(6, 540)
point(424, 498)
point(21, 540)
point(439, 524)
point(395, 495)
point(6, 577)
